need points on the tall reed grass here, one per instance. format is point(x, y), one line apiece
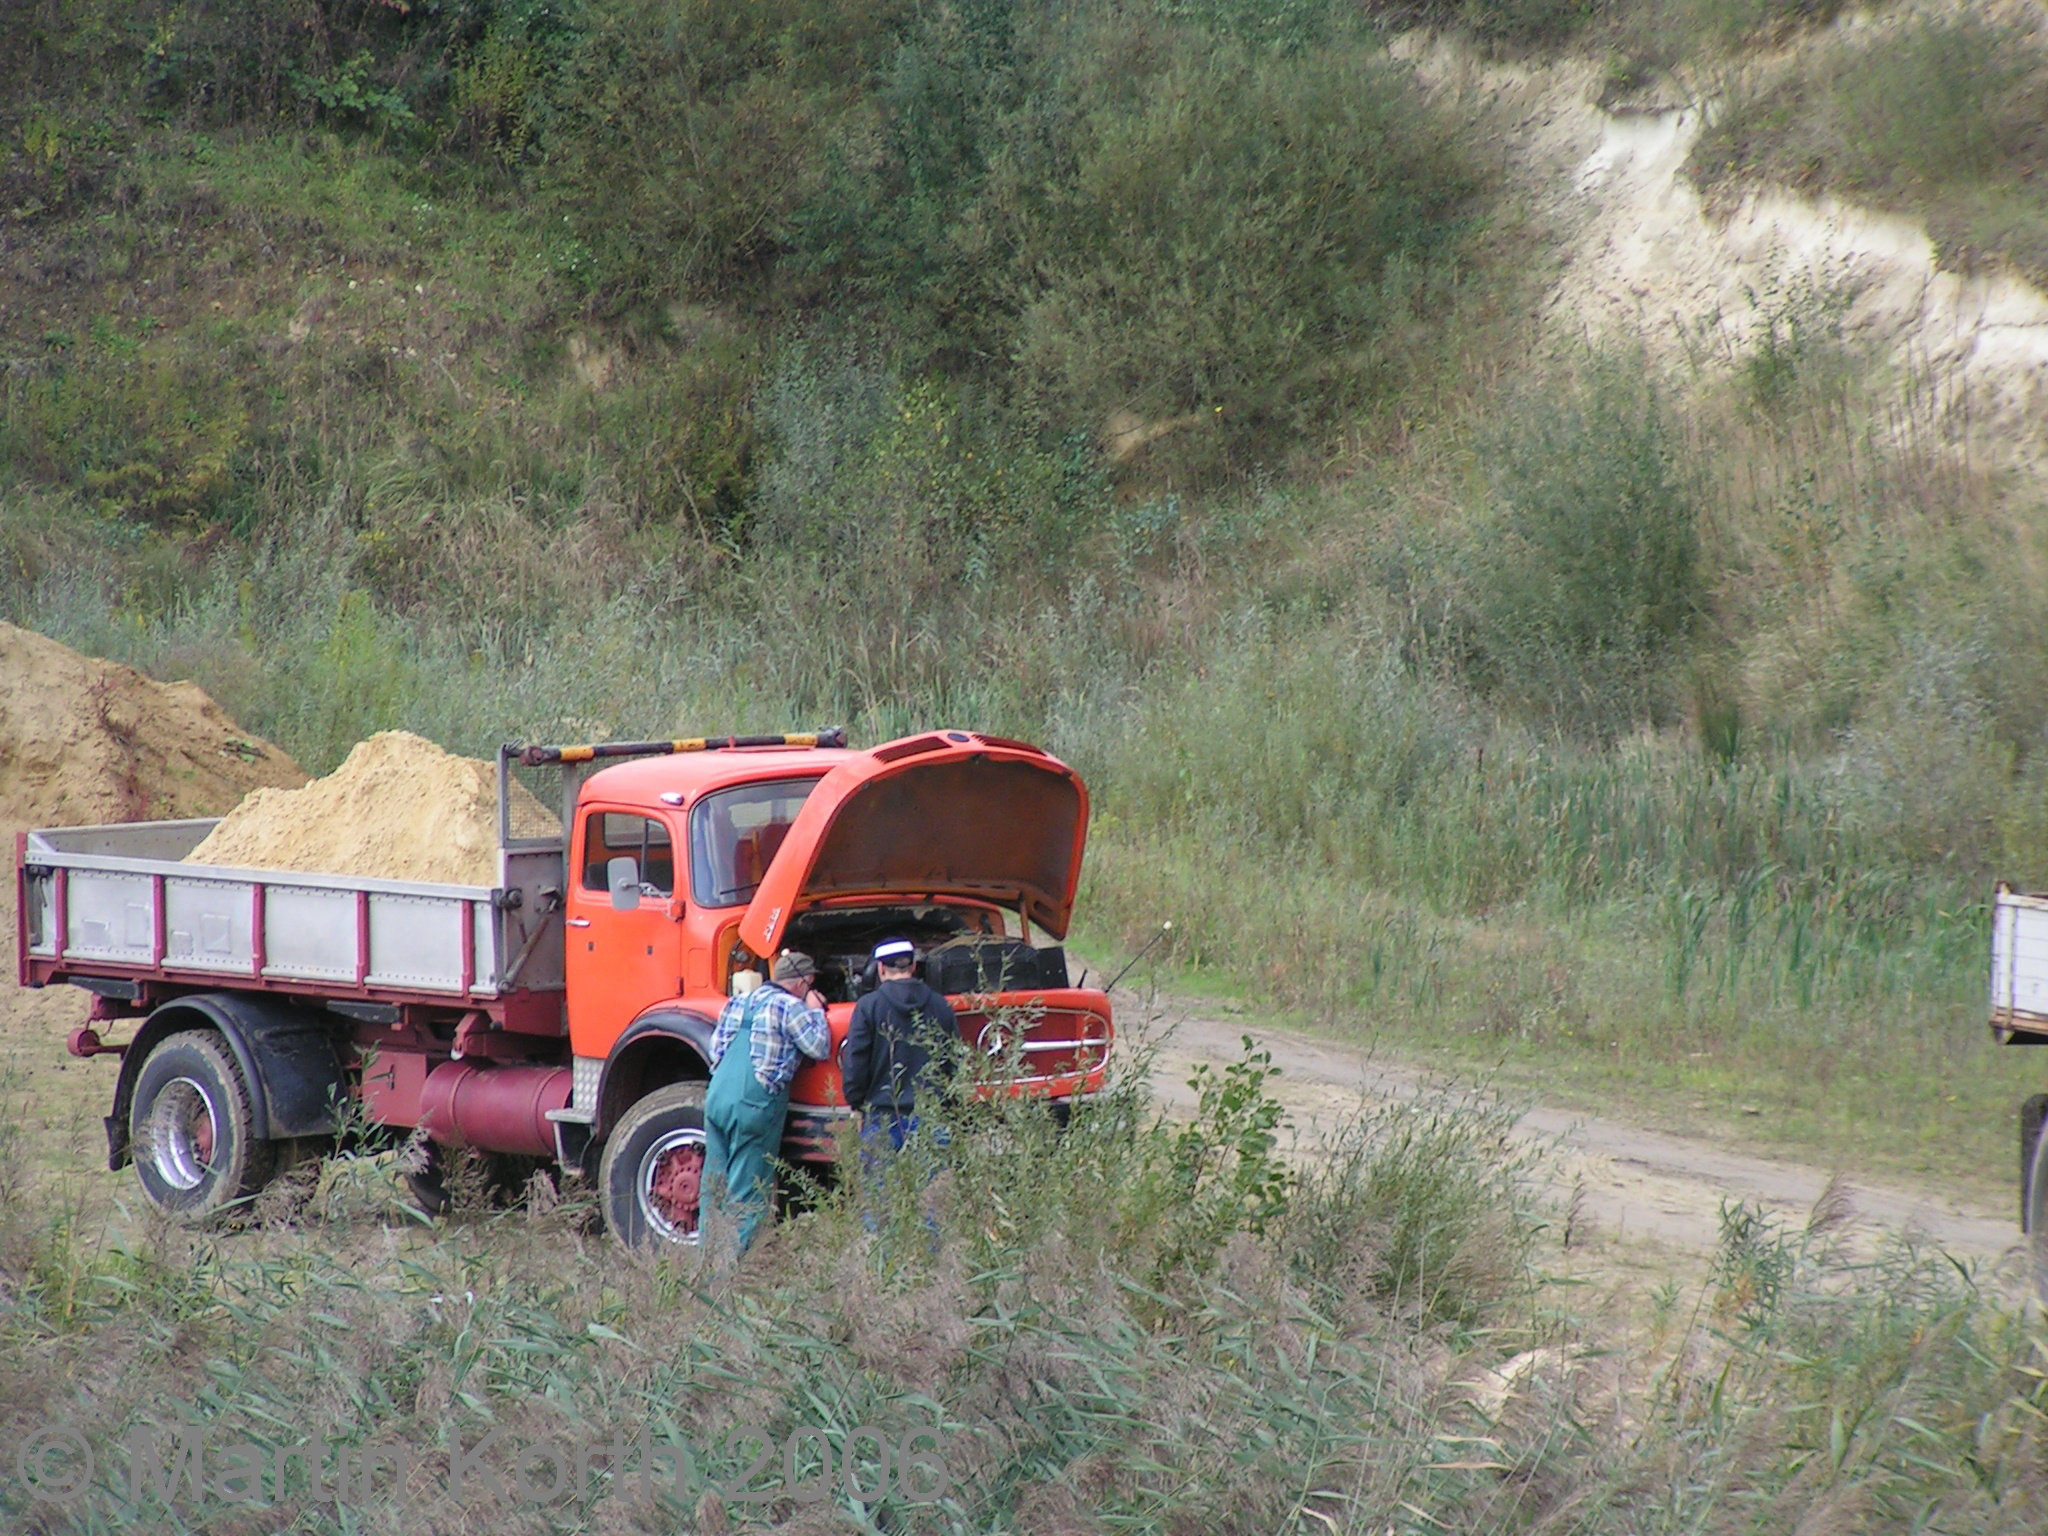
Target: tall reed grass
point(1379, 1357)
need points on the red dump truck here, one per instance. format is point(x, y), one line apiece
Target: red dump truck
point(565, 1013)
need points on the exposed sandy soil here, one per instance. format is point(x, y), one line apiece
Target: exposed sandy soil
point(1644, 257)
point(1632, 1185)
point(400, 808)
point(84, 741)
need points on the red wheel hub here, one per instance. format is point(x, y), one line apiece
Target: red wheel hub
point(677, 1184)
point(202, 1137)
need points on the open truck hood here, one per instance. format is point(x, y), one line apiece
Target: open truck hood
point(944, 814)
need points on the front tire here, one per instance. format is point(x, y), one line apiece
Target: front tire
point(652, 1177)
point(192, 1131)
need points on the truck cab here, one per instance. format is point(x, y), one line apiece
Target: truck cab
point(689, 873)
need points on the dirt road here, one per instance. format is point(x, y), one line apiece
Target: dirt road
point(1633, 1184)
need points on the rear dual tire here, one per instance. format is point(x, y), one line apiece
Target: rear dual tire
point(192, 1129)
point(500, 1178)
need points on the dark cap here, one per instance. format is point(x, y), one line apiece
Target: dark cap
point(792, 963)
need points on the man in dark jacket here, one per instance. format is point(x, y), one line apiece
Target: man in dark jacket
point(887, 1057)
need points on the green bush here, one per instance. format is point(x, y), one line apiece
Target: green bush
point(1236, 240)
point(682, 139)
point(903, 167)
point(1139, 216)
point(498, 90)
point(1227, 1174)
point(1584, 576)
point(913, 489)
point(349, 62)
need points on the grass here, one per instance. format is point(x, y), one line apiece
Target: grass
point(1066, 1323)
point(1088, 1331)
point(329, 412)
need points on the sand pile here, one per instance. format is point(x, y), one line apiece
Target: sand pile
point(400, 808)
point(85, 741)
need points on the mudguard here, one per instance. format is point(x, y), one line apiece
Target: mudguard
point(286, 1056)
point(668, 1045)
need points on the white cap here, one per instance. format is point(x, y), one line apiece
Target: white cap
point(894, 949)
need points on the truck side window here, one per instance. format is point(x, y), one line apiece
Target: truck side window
point(609, 834)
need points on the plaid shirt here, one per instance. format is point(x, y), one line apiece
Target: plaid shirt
point(782, 1027)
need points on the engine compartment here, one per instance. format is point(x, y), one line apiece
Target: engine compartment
point(961, 949)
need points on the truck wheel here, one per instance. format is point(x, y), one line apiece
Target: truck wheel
point(497, 1179)
point(2037, 1218)
point(652, 1175)
point(191, 1130)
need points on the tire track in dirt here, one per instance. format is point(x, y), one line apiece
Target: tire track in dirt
point(1630, 1182)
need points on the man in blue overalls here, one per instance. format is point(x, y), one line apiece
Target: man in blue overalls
point(755, 1051)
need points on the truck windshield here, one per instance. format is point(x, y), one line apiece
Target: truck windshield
point(734, 835)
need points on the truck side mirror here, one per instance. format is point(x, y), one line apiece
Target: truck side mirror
point(623, 876)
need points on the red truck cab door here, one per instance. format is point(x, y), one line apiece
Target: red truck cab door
point(620, 963)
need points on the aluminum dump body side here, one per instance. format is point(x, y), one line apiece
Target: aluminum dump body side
point(117, 902)
point(2019, 964)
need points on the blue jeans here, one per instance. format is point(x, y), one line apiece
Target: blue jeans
point(883, 1133)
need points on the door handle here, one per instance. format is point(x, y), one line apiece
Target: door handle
point(577, 922)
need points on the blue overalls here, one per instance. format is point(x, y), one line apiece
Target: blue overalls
point(742, 1131)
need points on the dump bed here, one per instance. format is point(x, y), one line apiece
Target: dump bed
point(116, 904)
point(2019, 964)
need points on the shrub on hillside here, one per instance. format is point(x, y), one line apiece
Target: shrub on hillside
point(683, 138)
point(498, 87)
point(910, 488)
point(1944, 117)
point(1584, 575)
point(1099, 216)
point(903, 166)
point(1217, 234)
point(356, 63)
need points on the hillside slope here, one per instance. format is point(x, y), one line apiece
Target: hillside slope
point(1528, 552)
point(1707, 280)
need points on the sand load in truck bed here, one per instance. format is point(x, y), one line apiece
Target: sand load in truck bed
point(84, 741)
point(400, 808)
